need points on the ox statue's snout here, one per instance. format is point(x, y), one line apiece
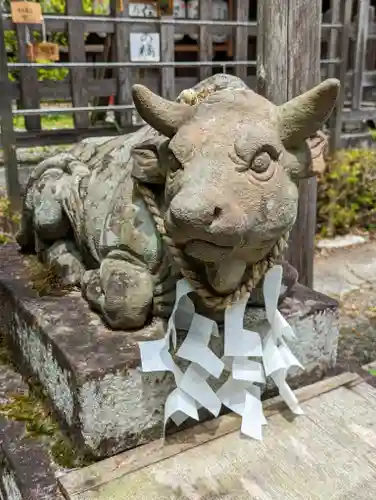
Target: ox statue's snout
point(213, 219)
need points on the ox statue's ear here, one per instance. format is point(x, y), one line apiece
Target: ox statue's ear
point(147, 167)
point(164, 116)
point(301, 117)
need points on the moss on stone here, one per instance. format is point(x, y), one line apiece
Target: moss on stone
point(44, 279)
point(31, 408)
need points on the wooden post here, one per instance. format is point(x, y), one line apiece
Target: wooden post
point(8, 139)
point(289, 64)
point(29, 87)
point(241, 38)
point(304, 35)
point(77, 53)
point(206, 39)
point(336, 118)
point(167, 55)
point(360, 53)
point(121, 53)
point(272, 50)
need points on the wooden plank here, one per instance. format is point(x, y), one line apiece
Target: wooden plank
point(29, 98)
point(7, 132)
point(205, 39)
point(121, 53)
point(360, 53)
point(303, 74)
point(168, 55)
point(241, 37)
point(367, 392)
point(348, 415)
point(336, 120)
point(130, 461)
point(293, 459)
point(76, 30)
point(272, 50)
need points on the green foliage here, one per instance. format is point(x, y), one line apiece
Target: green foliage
point(49, 122)
point(9, 221)
point(347, 193)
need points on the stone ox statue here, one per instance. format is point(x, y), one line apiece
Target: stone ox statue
point(206, 190)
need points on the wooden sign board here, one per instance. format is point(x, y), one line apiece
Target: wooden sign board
point(145, 47)
point(26, 12)
point(46, 51)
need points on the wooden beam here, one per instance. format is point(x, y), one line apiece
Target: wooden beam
point(288, 63)
point(241, 37)
point(167, 55)
point(304, 30)
point(76, 30)
point(335, 123)
point(121, 52)
point(205, 39)
point(272, 50)
point(28, 78)
point(360, 53)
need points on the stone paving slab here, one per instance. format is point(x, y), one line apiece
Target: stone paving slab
point(346, 269)
point(26, 469)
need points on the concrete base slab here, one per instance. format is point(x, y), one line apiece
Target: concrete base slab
point(92, 374)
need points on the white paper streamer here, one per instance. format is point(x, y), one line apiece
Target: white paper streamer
point(194, 383)
point(238, 341)
point(253, 417)
point(277, 357)
point(179, 406)
point(195, 346)
point(183, 287)
point(240, 392)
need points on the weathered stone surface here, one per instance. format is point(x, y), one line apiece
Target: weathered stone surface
point(91, 373)
point(26, 470)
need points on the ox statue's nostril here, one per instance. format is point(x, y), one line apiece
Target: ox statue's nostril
point(217, 212)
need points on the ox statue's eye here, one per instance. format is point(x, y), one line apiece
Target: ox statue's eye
point(261, 162)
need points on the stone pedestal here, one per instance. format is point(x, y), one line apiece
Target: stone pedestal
point(91, 374)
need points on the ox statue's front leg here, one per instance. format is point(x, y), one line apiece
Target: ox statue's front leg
point(120, 290)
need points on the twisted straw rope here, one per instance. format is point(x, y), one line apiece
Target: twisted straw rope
point(257, 271)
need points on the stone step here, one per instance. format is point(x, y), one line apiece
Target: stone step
point(27, 472)
point(91, 374)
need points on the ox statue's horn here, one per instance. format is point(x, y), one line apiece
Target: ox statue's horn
point(164, 116)
point(301, 117)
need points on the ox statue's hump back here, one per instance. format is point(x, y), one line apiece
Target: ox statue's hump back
point(206, 190)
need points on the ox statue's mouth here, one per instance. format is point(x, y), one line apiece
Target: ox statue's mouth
point(206, 251)
point(209, 252)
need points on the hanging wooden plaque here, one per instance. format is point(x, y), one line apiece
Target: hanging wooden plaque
point(26, 12)
point(46, 51)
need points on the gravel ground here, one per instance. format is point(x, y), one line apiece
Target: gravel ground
point(357, 341)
